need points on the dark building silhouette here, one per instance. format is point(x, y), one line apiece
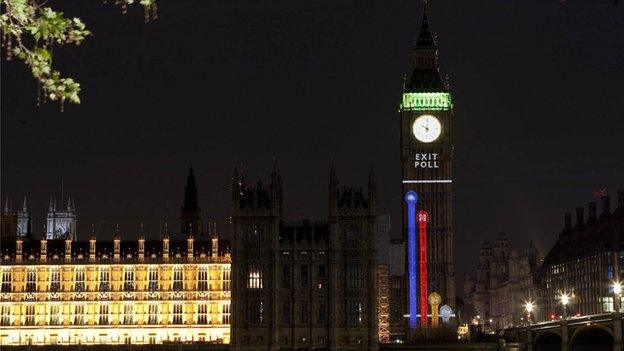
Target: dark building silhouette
point(586, 260)
point(14, 222)
point(190, 213)
point(306, 284)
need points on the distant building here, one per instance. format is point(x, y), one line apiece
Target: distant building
point(24, 224)
point(587, 258)
point(61, 221)
point(190, 213)
point(504, 281)
point(303, 285)
point(15, 222)
point(8, 221)
point(114, 292)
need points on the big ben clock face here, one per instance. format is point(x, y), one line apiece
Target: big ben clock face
point(427, 128)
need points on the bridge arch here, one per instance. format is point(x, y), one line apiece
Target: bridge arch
point(548, 340)
point(592, 337)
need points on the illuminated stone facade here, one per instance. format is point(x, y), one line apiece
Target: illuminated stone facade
point(140, 292)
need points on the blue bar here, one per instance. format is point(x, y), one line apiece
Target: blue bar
point(411, 198)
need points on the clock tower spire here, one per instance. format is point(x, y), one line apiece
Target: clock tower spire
point(426, 153)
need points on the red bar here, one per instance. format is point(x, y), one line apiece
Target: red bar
point(423, 218)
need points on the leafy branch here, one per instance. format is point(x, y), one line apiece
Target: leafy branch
point(29, 32)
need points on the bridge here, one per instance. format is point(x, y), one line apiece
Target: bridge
point(601, 332)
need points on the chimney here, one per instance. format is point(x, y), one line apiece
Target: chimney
point(592, 212)
point(606, 205)
point(18, 248)
point(141, 244)
point(580, 217)
point(68, 241)
point(567, 221)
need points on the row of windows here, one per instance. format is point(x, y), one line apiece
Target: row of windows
point(128, 315)
point(354, 312)
point(104, 280)
point(353, 276)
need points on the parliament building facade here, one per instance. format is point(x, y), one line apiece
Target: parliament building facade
point(131, 292)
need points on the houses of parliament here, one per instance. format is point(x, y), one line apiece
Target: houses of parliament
point(277, 285)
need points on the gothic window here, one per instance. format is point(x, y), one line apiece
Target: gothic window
point(5, 315)
point(305, 312)
point(79, 312)
point(286, 312)
point(128, 315)
point(153, 314)
point(31, 280)
point(354, 235)
point(225, 314)
point(129, 278)
point(253, 237)
point(321, 276)
point(177, 314)
point(80, 279)
point(354, 278)
point(202, 314)
point(104, 279)
point(227, 280)
point(256, 312)
point(321, 271)
point(153, 278)
point(6, 280)
point(322, 313)
point(286, 277)
point(55, 311)
point(354, 312)
point(304, 276)
point(103, 315)
point(202, 278)
point(30, 315)
point(254, 276)
point(177, 278)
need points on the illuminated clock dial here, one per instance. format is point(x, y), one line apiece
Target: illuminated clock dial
point(427, 128)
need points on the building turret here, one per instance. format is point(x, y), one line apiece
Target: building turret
point(116, 244)
point(165, 241)
point(68, 245)
point(215, 242)
point(190, 213)
point(92, 244)
point(43, 247)
point(141, 248)
point(189, 243)
point(18, 249)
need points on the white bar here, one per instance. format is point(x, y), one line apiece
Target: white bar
point(427, 181)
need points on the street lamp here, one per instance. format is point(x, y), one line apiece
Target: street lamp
point(565, 300)
point(617, 298)
point(528, 307)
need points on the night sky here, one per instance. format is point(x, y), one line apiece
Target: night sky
point(537, 87)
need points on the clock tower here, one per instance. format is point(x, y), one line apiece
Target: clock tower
point(426, 118)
